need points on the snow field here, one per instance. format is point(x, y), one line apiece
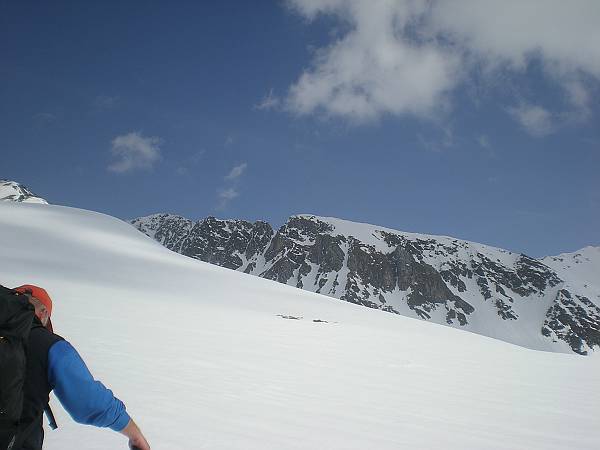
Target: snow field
point(201, 359)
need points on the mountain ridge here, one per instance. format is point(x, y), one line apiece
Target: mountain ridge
point(442, 279)
point(549, 303)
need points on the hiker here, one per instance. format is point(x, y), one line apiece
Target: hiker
point(54, 365)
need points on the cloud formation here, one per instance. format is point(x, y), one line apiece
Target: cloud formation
point(579, 97)
point(268, 102)
point(406, 56)
point(536, 120)
point(133, 151)
point(374, 69)
point(563, 34)
point(236, 172)
point(226, 195)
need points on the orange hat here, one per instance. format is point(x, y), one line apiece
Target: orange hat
point(37, 292)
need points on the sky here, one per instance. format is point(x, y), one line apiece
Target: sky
point(473, 119)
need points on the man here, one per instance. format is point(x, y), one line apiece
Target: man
point(54, 365)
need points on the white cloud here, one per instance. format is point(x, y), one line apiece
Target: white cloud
point(563, 34)
point(580, 98)
point(536, 120)
point(134, 152)
point(225, 196)
point(236, 172)
point(404, 56)
point(269, 101)
point(374, 69)
point(228, 194)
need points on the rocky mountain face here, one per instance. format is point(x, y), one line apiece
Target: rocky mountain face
point(574, 313)
point(542, 304)
point(16, 192)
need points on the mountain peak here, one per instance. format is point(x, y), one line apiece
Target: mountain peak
point(16, 192)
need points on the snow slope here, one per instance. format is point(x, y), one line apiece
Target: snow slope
point(580, 268)
point(202, 360)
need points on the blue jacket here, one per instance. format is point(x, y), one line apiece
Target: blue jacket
point(87, 401)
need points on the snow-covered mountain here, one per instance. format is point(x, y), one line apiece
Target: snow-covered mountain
point(549, 304)
point(581, 268)
point(203, 358)
point(16, 192)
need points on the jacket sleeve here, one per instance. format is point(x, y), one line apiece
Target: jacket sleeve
point(87, 401)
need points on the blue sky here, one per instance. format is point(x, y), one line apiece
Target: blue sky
point(403, 114)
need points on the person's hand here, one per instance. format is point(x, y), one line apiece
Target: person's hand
point(137, 441)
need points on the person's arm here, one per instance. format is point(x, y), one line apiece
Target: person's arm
point(86, 399)
point(136, 438)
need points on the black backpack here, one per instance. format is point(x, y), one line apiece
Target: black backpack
point(16, 318)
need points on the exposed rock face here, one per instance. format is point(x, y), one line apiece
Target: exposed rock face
point(400, 270)
point(441, 279)
point(169, 230)
point(297, 246)
point(574, 319)
point(227, 243)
